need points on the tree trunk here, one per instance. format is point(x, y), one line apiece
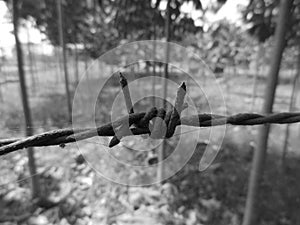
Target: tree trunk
point(25, 102)
point(1, 72)
point(63, 46)
point(250, 217)
point(154, 67)
point(161, 155)
point(58, 67)
point(256, 76)
point(86, 62)
point(291, 108)
point(1, 94)
point(30, 58)
point(76, 65)
point(234, 66)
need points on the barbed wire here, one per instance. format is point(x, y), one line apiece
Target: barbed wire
point(157, 123)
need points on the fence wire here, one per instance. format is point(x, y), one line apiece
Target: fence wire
point(157, 123)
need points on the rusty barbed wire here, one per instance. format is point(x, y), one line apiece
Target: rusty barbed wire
point(155, 122)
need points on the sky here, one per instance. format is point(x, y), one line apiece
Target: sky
point(229, 11)
point(5, 27)
point(7, 40)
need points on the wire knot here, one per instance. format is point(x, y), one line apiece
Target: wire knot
point(160, 124)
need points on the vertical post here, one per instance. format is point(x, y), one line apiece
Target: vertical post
point(161, 155)
point(25, 102)
point(250, 217)
point(63, 46)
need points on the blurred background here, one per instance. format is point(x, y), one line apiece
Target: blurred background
point(48, 47)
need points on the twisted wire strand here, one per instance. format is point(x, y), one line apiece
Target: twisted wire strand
point(158, 123)
point(64, 136)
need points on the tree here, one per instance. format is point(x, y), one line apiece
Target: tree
point(1, 94)
point(48, 18)
point(260, 154)
point(30, 59)
point(76, 64)
point(260, 15)
point(293, 41)
point(176, 27)
point(259, 56)
point(225, 45)
point(291, 107)
point(25, 102)
point(161, 155)
point(63, 46)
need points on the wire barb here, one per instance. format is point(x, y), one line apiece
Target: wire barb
point(123, 129)
point(176, 110)
point(126, 93)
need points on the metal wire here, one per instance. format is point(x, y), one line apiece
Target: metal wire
point(64, 136)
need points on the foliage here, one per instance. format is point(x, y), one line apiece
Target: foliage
point(261, 16)
point(44, 14)
point(224, 45)
point(103, 24)
point(136, 20)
